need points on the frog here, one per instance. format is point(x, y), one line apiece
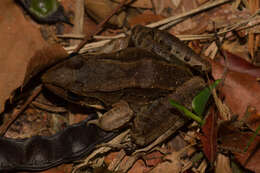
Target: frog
point(136, 76)
point(155, 65)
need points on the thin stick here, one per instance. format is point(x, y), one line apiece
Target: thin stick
point(99, 27)
point(16, 112)
point(78, 21)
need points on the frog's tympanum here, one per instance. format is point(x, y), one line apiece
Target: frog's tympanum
point(137, 82)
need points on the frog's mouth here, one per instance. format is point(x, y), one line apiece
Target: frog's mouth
point(75, 98)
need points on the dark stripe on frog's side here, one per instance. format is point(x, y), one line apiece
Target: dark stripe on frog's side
point(166, 45)
point(40, 153)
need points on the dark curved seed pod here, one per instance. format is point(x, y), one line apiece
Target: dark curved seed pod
point(40, 153)
point(45, 11)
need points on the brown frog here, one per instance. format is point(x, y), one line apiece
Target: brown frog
point(140, 77)
point(134, 75)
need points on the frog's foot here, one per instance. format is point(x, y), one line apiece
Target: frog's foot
point(115, 118)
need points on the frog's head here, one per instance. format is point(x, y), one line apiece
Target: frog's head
point(62, 77)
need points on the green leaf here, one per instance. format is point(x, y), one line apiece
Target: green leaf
point(199, 102)
point(187, 112)
point(43, 8)
point(252, 138)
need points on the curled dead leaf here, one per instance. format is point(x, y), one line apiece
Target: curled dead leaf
point(43, 59)
point(19, 41)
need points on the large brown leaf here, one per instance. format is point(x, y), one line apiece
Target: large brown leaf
point(240, 90)
point(19, 39)
point(236, 63)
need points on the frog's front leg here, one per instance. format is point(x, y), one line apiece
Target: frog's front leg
point(115, 118)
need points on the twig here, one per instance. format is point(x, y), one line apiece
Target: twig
point(87, 47)
point(79, 20)
point(99, 27)
point(71, 36)
point(16, 112)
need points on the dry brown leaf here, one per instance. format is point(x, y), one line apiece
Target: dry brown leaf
point(43, 59)
point(110, 157)
point(233, 139)
point(197, 24)
point(153, 158)
point(145, 18)
point(171, 164)
point(253, 118)
point(100, 9)
point(240, 90)
point(250, 159)
point(194, 25)
point(209, 136)
point(139, 3)
point(19, 41)
point(238, 64)
point(138, 167)
point(237, 49)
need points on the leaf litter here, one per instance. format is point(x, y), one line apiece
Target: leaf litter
point(239, 91)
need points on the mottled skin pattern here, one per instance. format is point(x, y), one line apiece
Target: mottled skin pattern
point(167, 46)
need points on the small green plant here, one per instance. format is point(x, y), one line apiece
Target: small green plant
point(252, 138)
point(198, 104)
point(46, 11)
point(43, 8)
